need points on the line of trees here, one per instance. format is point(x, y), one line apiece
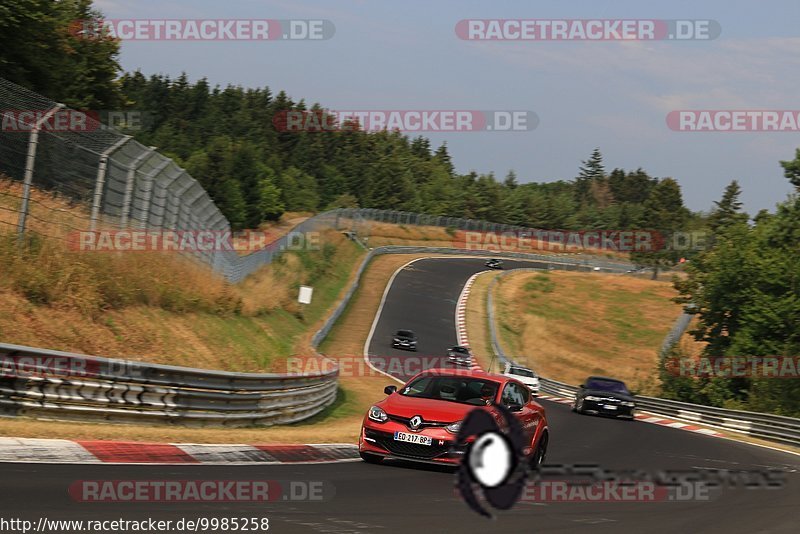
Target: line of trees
point(226, 138)
point(746, 293)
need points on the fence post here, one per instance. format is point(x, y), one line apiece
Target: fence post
point(148, 192)
point(101, 180)
point(29, 164)
point(131, 177)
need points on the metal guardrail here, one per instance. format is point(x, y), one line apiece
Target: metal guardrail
point(553, 262)
point(236, 268)
point(765, 426)
point(775, 428)
point(674, 335)
point(62, 385)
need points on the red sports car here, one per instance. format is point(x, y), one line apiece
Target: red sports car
point(420, 421)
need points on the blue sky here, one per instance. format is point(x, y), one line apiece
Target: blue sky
point(613, 95)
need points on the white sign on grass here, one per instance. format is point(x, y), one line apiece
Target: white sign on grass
point(305, 295)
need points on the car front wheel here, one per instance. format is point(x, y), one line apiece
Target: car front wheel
point(538, 457)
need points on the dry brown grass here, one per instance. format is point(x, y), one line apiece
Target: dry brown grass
point(163, 308)
point(345, 342)
point(571, 325)
point(49, 215)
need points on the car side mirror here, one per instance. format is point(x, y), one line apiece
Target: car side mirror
point(389, 389)
point(514, 407)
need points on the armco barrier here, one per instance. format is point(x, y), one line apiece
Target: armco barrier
point(61, 385)
point(553, 262)
point(765, 426)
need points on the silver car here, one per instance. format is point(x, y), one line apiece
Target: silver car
point(459, 355)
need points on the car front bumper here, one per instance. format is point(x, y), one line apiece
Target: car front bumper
point(609, 409)
point(378, 439)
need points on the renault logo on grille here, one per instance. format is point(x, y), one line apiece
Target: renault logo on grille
point(415, 422)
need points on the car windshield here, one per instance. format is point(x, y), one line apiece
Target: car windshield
point(519, 371)
point(462, 350)
point(612, 386)
point(461, 389)
point(405, 333)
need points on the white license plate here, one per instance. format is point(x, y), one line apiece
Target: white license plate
point(610, 407)
point(413, 438)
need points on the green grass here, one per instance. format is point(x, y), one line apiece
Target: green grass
point(211, 321)
point(621, 321)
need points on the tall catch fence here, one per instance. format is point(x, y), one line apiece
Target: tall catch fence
point(70, 173)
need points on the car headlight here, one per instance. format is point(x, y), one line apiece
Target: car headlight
point(377, 414)
point(453, 428)
point(593, 398)
point(629, 404)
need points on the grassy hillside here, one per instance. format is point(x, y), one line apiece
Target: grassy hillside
point(153, 306)
point(571, 325)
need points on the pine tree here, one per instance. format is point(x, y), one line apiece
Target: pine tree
point(589, 171)
point(443, 157)
point(665, 214)
point(511, 180)
point(728, 209)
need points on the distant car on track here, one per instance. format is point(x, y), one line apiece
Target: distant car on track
point(604, 396)
point(421, 420)
point(404, 339)
point(524, 375)
point(459, 355)
point(494, 263)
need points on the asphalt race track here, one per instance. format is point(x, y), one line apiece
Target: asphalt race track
point(423, 299)
point(409, 498)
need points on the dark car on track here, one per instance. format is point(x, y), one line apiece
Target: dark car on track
point(421, 420)
point(600, 395)
point(494, 263)
point(404, 339)
point(459, 355)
